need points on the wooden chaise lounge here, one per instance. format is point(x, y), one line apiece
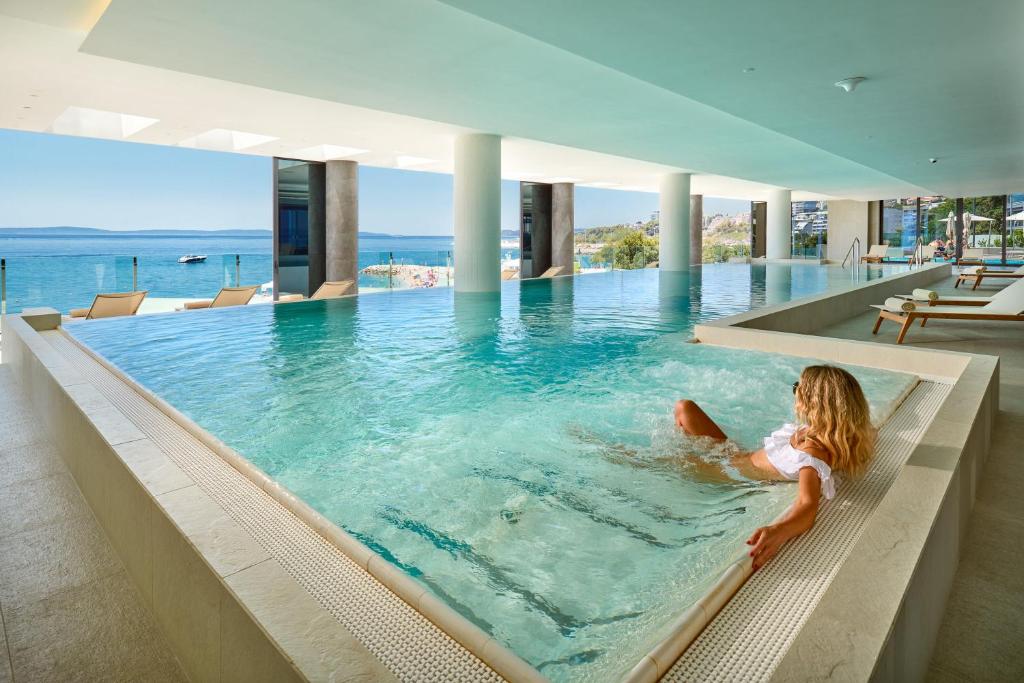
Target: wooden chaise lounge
point(227, 296)
point(876, 254)
point(981, 273)
point(1006, 305)
point(110, 305)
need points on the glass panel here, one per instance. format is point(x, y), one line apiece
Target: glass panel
point(899, 226)
point(810, 229)
point(987, 215)
point(724, 237)
point(293, 226)
point(1015, 228)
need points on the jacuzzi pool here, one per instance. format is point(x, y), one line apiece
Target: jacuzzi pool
point(512, 454)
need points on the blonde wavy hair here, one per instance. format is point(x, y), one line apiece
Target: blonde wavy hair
point(830, 403)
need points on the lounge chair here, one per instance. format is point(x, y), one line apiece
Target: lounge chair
point(876, 254)
point(930, 298)
point(510, 274)
point(328, 290)
point(981, 272)
point(334, 289)
point(110, 305)
point(972, 256)
point(553, 271)
point(227, 296)
point(1006, 305)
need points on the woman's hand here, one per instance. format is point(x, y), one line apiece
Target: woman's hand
point(766, 541)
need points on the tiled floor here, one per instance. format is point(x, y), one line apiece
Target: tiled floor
point(983, 630)
point(67, 608)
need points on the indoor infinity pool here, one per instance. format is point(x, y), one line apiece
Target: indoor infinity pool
point(515, 454)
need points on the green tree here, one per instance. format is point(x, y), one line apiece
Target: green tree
point(634, 249)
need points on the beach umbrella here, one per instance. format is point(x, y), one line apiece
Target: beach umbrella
point(1019, 216)
point(967, 226)
point(951, 226)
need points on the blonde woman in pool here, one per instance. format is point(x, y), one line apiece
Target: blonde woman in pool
point(833, 434)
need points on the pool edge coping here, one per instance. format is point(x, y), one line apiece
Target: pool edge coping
point(474, 640)
point(742, 331)
point(721, 332)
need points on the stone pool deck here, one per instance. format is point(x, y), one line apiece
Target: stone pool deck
point(982, 629)
point(68, 608)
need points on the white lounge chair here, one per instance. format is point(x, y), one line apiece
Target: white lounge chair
point(930, 298)
point(982, 272)
point(971, 255)
point(110, 305)
point(1006, 305)
point(227, 296)
point(876, 254)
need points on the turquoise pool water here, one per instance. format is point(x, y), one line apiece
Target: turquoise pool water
point(517, 454)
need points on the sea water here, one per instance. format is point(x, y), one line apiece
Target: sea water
point(67, 272)
point(515, 454)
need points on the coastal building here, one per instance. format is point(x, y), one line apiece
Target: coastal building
point(486, 481)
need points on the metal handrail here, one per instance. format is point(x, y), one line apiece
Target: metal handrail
point(854, 246)
point(918, 256)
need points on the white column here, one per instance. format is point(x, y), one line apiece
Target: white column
point(779, 239)
point(674, 237)
point(477, 211)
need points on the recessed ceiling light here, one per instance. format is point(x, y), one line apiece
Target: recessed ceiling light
point(224, 140)
point(96, 123)
point(749, 70)
point(850, 84)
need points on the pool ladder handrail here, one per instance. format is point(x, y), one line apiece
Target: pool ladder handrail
point(918, 256)
point(854, 248)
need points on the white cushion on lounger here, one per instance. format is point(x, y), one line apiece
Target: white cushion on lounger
point(1009, 301)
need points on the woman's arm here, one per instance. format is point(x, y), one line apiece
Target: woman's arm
point(768, 539)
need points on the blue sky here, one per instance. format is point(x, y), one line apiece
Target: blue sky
point(48, 180)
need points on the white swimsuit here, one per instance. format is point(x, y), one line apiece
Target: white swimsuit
point(789, 460)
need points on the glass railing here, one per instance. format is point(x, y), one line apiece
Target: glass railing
point(68, 282)
point(809, 246)
point(405, 270)
point(723, 253)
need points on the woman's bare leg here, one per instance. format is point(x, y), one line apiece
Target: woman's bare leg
point(696, 422)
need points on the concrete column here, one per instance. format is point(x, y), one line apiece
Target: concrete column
point(674, 238)
point(317, 236)
point(779, 230)
point(847, 221)
point(477, 210)
point(343, 221)
point(563, 220)
point(696, 229)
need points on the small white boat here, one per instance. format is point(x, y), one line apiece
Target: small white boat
point(192, 258)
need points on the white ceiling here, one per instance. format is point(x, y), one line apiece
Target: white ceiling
point(605, 92)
